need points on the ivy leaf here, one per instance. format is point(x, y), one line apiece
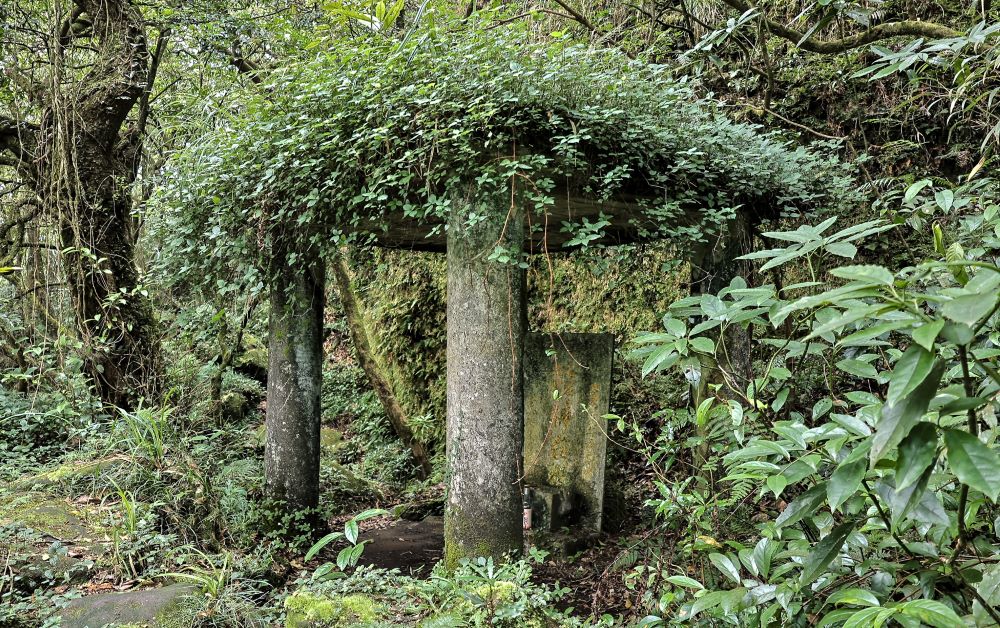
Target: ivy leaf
point(846, 479)
point(932, 613)
point(916, 453)
point(898, 419)
point(825, 551)
point(911, 369)
point(975, 464)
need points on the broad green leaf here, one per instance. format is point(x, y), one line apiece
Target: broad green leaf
point(803, 505)
point(824, 552)
point(898, 419)
point(914, 189)
point(846, 478)
point(675, 326)
point(874, 617)
point(945, 199)
point(763, 552)
point(857, 368)
point(842, 249)
point(969, 308)
point(989, 590)
point(707, 601)
point(916, 453)
point(866, 273)
point(684, 581)
point(974, 463)
point(909, 371)
point(958, 333)
point(725, 564)
point(351, 531)
point(702, 344)
point(661, 359)
point(932, 613)
point(777, 483)
point(323, 542)
point(856, 597)
point(837, 617)
point(906, 500)
point(926, 334)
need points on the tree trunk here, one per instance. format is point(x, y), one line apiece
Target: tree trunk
point(294, 382)
point(87, 165)
point(711, 271)
point(366, 357)
point(486, 326)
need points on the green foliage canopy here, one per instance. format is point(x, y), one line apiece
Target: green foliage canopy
point(373, 134)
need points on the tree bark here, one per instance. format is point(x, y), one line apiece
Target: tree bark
point(83, 163)
point(486, 326)
point(713, 269)
point(366, 357)
point(294, 382)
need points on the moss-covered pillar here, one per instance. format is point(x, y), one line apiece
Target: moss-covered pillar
point(486, 325)
point(294, 380)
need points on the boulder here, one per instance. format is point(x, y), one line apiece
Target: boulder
point(165, 607)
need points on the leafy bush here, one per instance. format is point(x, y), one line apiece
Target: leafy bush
point(892, 478)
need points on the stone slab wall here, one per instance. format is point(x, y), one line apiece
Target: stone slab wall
point(567, 391)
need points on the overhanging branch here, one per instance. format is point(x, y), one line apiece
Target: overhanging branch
point(906, 28)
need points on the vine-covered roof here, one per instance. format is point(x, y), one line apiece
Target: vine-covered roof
point(380, 137)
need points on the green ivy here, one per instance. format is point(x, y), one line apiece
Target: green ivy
point(373, 132)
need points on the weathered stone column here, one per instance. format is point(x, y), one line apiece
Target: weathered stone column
point(486, 325)
point(294, 380)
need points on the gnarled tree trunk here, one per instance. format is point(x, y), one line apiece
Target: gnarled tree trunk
point(486, 326)
point(81, 160)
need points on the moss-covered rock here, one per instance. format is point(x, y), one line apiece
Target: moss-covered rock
point(65, 473)
point(165, 607)
point(309, 610)
point(50, 516)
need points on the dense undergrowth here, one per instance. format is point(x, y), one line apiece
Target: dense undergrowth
point(842, 472)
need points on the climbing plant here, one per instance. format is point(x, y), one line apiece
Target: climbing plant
point(374, 132)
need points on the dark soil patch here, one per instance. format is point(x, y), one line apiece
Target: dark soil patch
point(413, 547)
